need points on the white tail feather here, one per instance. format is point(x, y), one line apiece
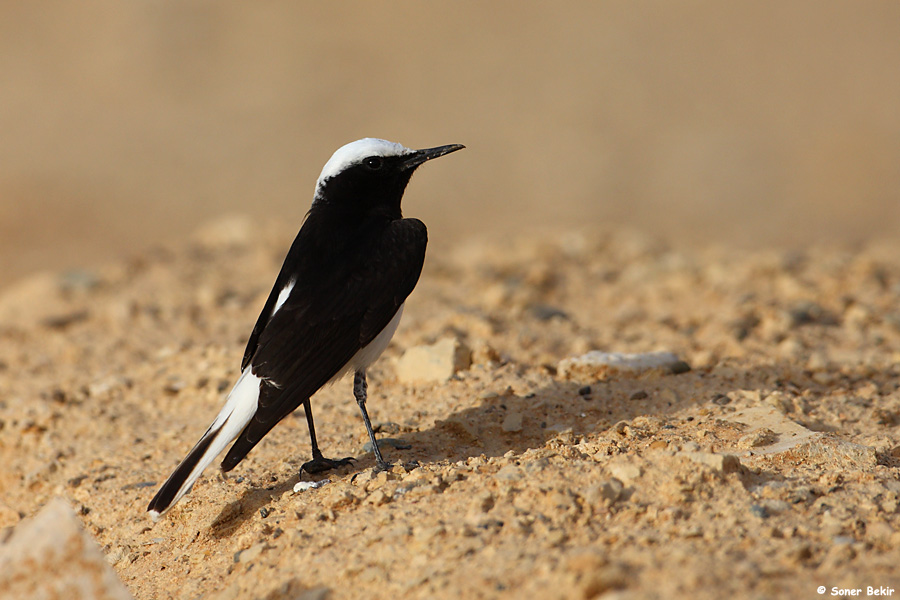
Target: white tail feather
point(241, 405)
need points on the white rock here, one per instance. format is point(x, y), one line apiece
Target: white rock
point(600, 365)
point(51, 556)
point(436, 362)
point(302, 486)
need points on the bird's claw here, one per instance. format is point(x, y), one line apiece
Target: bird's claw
point(321, 464)
point(381, 466)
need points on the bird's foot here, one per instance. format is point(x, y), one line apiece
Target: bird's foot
point(381, 466)
point(320, 464)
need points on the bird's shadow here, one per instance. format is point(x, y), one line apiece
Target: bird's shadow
point(517, 423)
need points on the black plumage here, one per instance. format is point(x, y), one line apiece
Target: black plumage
point(333, 308)
point(331, 314)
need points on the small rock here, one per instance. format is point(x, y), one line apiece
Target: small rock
point(774, 507)
point(482, 503)
point(295, 589)
point(510, 473)
point(379, 479)
point(624, 470)
point(63, 321)
point(779, 401)
point(594, 577)
point(377, 498)
point(342, 499)
point(721, 400)
point(761, 437)
point(810, 313)
point(484, 354)
point(720, 463)
point(78, 280)
point(601, 365)
point(609, 492)
point(743, 326)
point(513, 422)
point(435, 362)
point(545, 312)
point(302, 486)
point(250, 554)
point(174, 386)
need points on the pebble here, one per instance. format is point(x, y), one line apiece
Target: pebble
point(721, 400)
point(609, 492)
point(780, 402)
point(600, 365)
point(545, 312)
point(250, 554)
point(810, 313)
point(302, 486)
point(513, 422)
point(79, 280)
point(377, 498)
point(761, 437)
point(720, 463)
point(433, 363)
point(510, 473)
point(482, 503)
point(624, 470)
point(774, 507)
point(379, 479)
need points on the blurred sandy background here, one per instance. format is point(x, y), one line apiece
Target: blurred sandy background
point(753, 123)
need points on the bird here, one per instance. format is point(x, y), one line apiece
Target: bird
point(333, 309)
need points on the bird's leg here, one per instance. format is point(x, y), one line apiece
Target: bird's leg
point(318, 463)
point(360, 389)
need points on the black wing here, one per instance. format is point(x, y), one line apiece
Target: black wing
point(283, 277)
point(325, 321)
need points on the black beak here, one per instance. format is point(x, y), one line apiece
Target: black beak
point(419, 156)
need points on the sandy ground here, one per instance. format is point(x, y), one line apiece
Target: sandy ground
point(767, 470)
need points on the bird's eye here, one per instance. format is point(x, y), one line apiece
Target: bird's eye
point(373, 163)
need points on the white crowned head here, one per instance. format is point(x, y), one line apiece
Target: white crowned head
point(354, 153)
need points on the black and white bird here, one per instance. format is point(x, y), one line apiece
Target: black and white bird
point(333, 309)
